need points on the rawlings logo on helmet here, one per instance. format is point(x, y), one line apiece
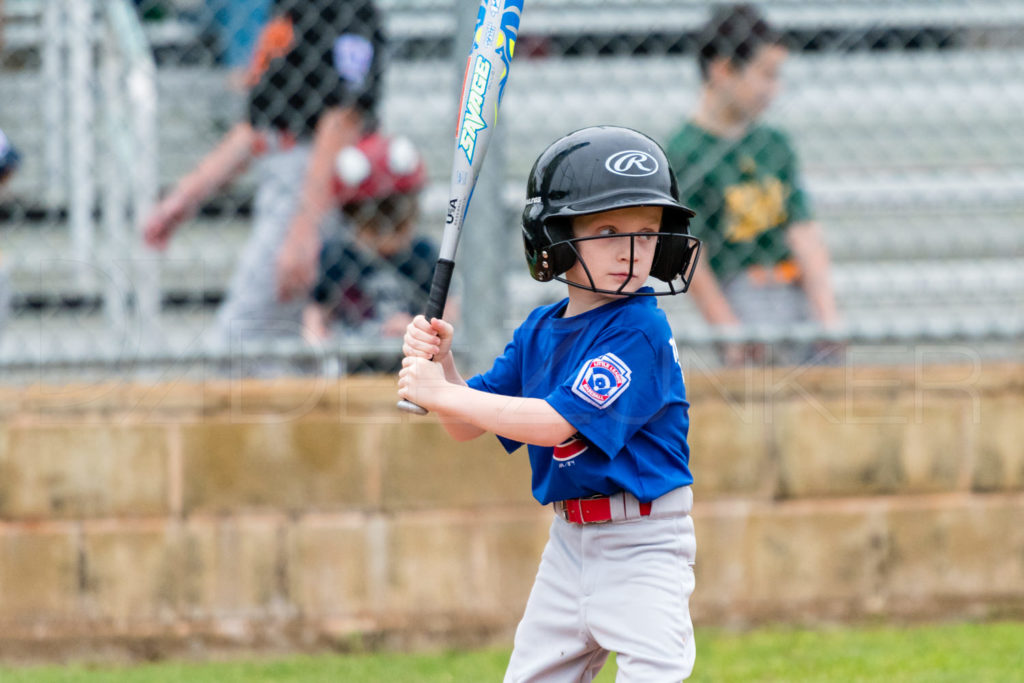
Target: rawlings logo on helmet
point(632, 162)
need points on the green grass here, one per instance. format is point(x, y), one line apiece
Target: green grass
point(979, 653)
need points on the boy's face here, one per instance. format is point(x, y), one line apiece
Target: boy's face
point(749, 89)
point(386, 240)
point(612, 262)
point(385, 226)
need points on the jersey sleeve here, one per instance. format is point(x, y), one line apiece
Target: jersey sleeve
point(618, 389)
point(798, 207)
point(504, 378)
point(354, 58)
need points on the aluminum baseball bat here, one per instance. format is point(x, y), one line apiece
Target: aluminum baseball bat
point(487, 68)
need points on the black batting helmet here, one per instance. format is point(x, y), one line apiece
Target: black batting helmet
point(596, 169)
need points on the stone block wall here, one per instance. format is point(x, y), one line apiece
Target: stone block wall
point(305, 513)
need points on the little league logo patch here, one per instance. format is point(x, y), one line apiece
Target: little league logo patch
point(602, 380)
point(353, 57)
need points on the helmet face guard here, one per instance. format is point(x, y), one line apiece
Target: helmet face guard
point(675, 259)
point(598, 169)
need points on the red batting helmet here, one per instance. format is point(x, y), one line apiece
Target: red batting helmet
point(377, 167)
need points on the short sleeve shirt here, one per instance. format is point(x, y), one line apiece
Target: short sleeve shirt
point(313, 55)
point(613, 374)
point(746, 193)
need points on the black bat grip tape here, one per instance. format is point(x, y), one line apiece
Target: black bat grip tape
point(439, 288)
point(435, 309)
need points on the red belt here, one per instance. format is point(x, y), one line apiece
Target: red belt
point(591, 510)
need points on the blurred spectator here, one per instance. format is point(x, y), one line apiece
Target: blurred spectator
point(767, 256)
point(374, 280)
point(9, 160)
point(314, 84)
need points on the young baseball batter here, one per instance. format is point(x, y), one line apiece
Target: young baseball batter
point(592, 384)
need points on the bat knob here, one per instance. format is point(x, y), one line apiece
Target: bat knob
point(410, 407)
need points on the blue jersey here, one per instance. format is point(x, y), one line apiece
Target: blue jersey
point(613, 373)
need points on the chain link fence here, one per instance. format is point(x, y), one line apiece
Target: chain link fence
point(906, 121)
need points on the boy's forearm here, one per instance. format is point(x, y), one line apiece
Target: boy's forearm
point(808, 245)
point(451, 372)
point(229, 158)
point(710, 299)
point(818, 288)
point(529, 420)
point(336, 129)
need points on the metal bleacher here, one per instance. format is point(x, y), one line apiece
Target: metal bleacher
point(914, 164)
